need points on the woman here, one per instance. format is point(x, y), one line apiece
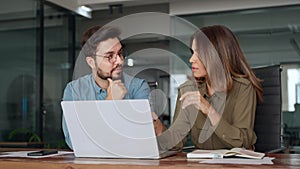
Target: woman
point(218, 106)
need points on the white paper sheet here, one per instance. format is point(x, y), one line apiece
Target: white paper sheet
point(265, 160)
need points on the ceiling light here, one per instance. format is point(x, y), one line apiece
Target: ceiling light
point(130, 62)
point(85, 8)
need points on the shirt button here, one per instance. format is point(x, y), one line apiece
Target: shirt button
point(223, 136)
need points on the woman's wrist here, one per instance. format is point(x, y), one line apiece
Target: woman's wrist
point(213, 116)
point(158, 127)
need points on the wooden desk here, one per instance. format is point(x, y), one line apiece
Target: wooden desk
point(178, 161)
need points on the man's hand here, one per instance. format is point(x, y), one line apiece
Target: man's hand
point(116, 90)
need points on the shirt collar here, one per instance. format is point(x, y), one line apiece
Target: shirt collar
point(96, 87)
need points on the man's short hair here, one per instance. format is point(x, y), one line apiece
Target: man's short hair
point(96, 34)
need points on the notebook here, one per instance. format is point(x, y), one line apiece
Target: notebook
point(221, 153)
point(112, 129)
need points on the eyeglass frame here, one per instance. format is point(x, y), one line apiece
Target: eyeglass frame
point(120, 54)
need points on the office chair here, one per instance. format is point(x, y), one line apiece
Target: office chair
point(267, 125)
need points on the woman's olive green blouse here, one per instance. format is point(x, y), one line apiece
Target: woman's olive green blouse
point(235, 128)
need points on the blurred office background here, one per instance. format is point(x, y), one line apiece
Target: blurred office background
point(40, 45)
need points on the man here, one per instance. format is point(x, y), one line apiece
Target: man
point(104, 55)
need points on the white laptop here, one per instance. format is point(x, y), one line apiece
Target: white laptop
point(112, 129)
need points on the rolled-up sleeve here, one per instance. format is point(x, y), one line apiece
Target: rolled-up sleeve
point(175, 137)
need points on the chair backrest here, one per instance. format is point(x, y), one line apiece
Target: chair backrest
point(267, 124)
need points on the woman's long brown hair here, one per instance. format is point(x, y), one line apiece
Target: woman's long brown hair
point(219, 40)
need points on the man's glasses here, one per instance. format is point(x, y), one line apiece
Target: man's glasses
point(112, 57)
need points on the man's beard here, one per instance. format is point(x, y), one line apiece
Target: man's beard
point(102, 75)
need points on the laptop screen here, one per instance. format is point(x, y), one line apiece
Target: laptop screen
point(111, 128)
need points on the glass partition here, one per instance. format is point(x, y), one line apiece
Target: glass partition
point(18, 72)
point(58, 50)
point(37, 47)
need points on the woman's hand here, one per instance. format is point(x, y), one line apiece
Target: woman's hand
point(158, 126)
point(196, 99)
